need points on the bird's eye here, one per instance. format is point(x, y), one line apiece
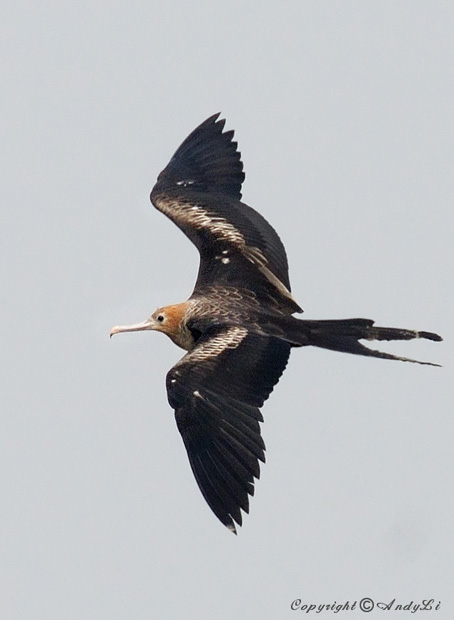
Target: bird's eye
point(160, 318)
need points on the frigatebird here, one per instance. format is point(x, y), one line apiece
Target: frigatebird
point(237, 326)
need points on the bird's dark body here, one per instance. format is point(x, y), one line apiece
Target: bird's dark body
point(237, 326)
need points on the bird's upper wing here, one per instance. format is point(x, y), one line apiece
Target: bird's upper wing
point(216, 390)
point(200, 192)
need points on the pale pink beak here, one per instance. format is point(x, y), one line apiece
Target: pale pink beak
point(137, 327)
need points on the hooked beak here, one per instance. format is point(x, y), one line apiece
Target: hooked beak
point(137, 327)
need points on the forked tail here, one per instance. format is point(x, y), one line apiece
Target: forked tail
point(344, 335)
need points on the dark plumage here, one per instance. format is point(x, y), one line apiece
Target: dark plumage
point(237, 326)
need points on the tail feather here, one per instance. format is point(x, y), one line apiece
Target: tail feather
point(344, 335)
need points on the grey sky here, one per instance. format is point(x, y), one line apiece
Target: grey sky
point(343, 113)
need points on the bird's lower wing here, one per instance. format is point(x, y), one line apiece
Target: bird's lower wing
point(216, 391)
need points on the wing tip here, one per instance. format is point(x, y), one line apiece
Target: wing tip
point(207, 161)
point(231, 527)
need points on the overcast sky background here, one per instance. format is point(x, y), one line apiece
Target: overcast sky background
point(343, 113)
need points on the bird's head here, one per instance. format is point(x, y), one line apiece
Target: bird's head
point(167, 320)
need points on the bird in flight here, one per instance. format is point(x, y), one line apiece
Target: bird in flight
point(237, 326)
